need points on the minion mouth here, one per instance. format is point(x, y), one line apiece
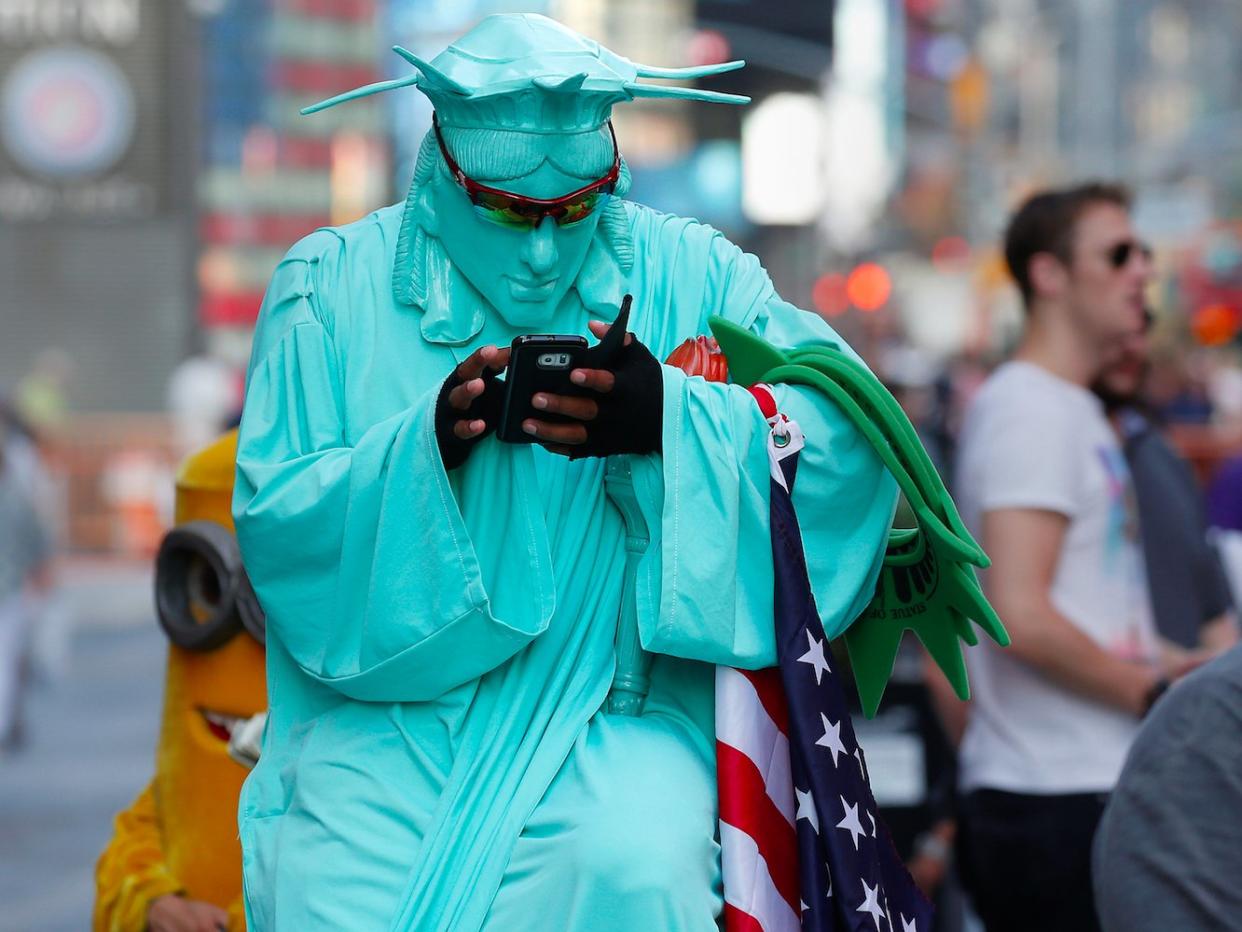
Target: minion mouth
point(221, 726)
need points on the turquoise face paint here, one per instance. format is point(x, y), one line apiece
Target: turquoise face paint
point(523, 273)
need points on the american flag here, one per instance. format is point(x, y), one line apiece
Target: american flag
point(802, 846)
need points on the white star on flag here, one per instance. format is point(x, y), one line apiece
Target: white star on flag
point(815, 656)
point(851, 824)
point(797, 887)
point(872, 903)
point(806, 809)
point(907, 925)
point(831, 738)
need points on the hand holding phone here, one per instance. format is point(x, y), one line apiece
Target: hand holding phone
point(539, 367)
point(613, 402)
point(542, 403)
point(469, 404)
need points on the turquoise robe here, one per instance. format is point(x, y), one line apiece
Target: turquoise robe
point(440, 646)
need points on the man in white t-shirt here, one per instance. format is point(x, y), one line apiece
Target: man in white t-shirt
point(1043, 483)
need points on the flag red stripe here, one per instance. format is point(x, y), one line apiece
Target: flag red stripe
point(738, 921)
point(767, 684)
point(745, 804)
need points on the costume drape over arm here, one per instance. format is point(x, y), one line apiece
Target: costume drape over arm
point(377, 582)
point(705, 584)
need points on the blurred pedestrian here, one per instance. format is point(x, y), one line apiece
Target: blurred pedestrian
point(1224, 502)
point(1043, 483)
point(1190, 594)
point(204, 394)
point(23, 556)
point(42, 396)
point(919, 384)
point(47, 611)
point(21, 451)
point(1224, 512)
point(1169, 851)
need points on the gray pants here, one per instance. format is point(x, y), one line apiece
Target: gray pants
point(14, 638)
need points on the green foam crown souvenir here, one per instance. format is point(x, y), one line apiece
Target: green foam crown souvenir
point(927, 584)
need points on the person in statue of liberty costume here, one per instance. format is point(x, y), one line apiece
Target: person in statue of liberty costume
point(443, 608)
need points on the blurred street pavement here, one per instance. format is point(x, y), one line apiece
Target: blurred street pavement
point(91, 732)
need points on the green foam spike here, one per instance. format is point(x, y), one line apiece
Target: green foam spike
point(888, 415)
point(749, 356)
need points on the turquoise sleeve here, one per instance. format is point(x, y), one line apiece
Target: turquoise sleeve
point(365, 556)
point(705, 586)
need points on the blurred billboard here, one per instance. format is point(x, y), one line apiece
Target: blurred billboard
point(93, 191)
point(83, 109)
point(268, 176)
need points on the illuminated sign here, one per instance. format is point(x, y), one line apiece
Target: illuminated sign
point(83, 109)
point(66, 111)
point(110, 22)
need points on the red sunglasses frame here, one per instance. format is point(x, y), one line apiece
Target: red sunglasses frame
point(537, 207)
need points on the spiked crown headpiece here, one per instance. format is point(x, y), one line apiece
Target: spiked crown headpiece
point(528, 73)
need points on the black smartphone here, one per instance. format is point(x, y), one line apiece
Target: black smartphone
point(539, 362)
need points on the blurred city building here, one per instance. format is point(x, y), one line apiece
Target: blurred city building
point(269, 176)
point(154, 168)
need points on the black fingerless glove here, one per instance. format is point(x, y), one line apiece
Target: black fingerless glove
point(631, 416)
point(454, 449)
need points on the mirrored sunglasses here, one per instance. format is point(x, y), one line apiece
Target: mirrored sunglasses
point(515, 210)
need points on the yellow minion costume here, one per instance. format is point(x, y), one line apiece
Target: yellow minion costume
point(180, 835)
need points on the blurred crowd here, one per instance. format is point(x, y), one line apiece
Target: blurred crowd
point(1115, 568)
point(27, 526)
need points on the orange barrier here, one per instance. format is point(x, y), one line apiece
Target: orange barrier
point(111, 479)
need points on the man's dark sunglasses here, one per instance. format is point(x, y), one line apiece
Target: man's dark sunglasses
point(1119, 256)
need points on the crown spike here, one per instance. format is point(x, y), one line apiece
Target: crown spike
point(697, 71)
point(481, 80)
point(682, 93)
point(367, 91)
point(570, 85)
point(433, 76)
